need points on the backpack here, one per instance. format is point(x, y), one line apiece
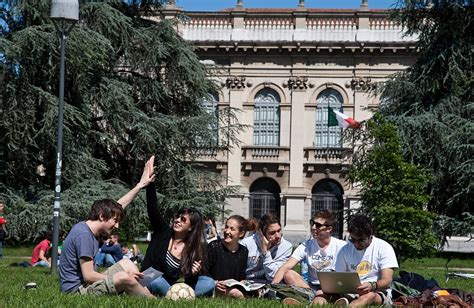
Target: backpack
point(416, 281)
point(281, 291)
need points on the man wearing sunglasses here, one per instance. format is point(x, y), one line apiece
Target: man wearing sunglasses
point(372, 258)
point(319, 252)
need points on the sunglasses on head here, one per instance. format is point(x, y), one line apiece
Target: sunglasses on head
point(317, 224)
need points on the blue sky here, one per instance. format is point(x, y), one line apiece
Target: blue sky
point(215, 5)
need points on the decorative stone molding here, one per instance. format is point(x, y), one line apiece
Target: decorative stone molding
point(360, 84)
point(298, 83)
point(235, 82)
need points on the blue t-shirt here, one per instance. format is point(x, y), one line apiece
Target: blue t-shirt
point(80, 243)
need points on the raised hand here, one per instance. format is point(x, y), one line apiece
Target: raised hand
point(148, 174)
point(263, 242)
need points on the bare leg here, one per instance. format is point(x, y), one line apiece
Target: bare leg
point(292, 278)
point(127, 283)
point(236, 293)
point(319, 299)
point(370, 298)
point(128, 266)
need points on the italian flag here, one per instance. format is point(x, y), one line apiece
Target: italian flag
point(336, 118)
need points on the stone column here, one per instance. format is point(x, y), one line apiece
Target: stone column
point(236, 86)
point(295, 196)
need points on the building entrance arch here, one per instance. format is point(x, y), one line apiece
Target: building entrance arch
point(264, 198)
point(328, 195)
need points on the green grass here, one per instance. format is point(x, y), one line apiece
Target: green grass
point(12, 280)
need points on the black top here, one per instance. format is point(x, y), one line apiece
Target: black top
point(156, 253)
point(223, 264)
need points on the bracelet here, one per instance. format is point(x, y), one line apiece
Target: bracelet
point(373, 285)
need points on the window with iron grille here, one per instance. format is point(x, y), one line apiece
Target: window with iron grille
point(264, 198)
point(210, 105)
point(325, 136)
point(327, 195)
point(266, 118)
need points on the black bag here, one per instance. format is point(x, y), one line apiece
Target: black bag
point(418, 282)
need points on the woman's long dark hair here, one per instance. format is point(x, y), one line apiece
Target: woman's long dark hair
point(194, 243)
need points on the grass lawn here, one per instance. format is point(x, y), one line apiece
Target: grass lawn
point(47, 293)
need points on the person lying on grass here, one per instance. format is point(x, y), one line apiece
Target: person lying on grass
point(179, 250)
point(77, 273)
point(227, 259)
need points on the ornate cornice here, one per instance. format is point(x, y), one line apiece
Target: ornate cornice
point(361, 84)
point(298, 83)
point(235, 82)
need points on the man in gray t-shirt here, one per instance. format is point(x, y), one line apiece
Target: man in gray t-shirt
point(77, 272)
point(80, 243)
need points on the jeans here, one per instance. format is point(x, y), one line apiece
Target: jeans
point(41, 263)
point(103, 259)
point(1, 249)
point(204, 286)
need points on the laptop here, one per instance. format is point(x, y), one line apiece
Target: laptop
point(339, 282)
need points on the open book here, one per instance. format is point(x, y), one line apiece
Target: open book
point(245, 285)
point(149, 275)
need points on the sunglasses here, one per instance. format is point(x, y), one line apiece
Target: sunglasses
point(317, 224)
point(181, 218)
point(359, 240)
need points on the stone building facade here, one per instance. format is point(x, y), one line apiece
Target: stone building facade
point(283, 68)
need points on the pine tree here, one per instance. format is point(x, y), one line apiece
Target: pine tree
point(432, 101)
point(133, 88)
point(392, 191)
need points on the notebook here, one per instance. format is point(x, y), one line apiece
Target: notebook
point(339, 282)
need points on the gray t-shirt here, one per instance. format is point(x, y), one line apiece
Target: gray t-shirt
point(80, 243)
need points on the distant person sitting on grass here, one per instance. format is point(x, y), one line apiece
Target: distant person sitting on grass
point(110, 252)
point(134, 254)
point(77, 273)
point(40, 252)
point(373, 259)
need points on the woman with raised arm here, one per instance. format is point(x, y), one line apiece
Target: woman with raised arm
point(178, 250)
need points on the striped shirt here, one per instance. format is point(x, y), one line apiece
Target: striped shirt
point(173, 263)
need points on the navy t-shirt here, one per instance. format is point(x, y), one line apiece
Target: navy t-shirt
point(80, 243)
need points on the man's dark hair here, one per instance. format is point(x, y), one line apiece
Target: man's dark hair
point(108, 208)
point(361, 225)
point(327, 215)
point(48, 235)
point(267, 220)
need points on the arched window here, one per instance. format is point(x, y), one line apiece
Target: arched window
point(210, 103)
point(266, 118)
point(264, 198)
point(327, 136)
point(327, 195)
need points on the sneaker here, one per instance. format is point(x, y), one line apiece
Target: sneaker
point(342, 302)
point(290, 301)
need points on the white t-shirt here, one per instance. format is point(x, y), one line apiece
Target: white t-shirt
point(368, 263)
point(318, 260)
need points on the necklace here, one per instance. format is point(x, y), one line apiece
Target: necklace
point(175, 245)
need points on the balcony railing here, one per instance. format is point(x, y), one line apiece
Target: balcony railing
point(327, 155)
point(266, 154)
point(205, 154)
